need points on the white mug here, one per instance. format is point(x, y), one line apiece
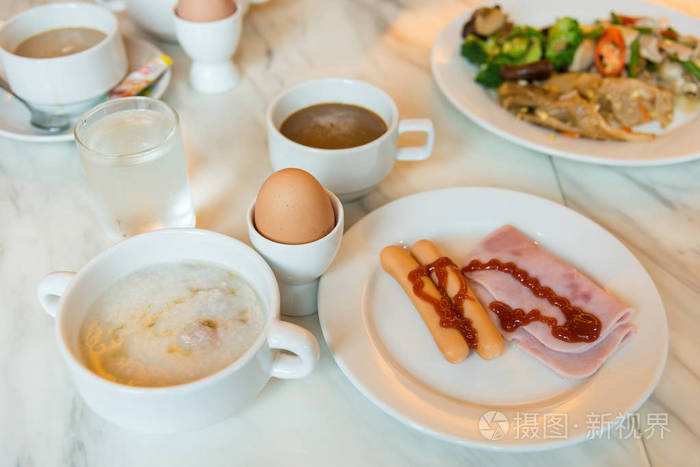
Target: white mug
point(70, 84)
point(299, 266)
point(349, 173)
point(155, 16)
point(67, 296)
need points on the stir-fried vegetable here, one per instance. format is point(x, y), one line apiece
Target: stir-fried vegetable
point(621, 46)
point(670, 33)
point(594, 33)
point(563, 38)
point(622, 19)
point(689, 66)
point(633, 67)
point(489, 76)
point(520, 46)
point(595, 80)
point(610, 53)
point(475, 50)
point(523, 45)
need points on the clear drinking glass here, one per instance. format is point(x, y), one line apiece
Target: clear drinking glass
point(134, 161)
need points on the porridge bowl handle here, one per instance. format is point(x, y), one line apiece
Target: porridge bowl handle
point(51, 288)
point(297, 340)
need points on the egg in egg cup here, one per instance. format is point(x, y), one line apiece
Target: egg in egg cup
point(211, 44)
point(299, 266)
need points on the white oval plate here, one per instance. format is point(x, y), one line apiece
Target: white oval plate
point(455, 78)
point(381, 344)
point(14, 117)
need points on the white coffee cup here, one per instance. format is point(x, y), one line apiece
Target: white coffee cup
point(352, 172)
point(73, 83)
point(67, 296)
point(154, 16)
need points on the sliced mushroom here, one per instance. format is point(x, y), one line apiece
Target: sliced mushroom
point(689, 89)
point(485, 21)
point(671, 71)
point(584, 56)
point(653, 23)
point(671, 74)
point(682, 51)
point(628, 34)
point(649, 48)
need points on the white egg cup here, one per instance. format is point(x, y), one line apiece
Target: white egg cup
point(211, 45)
point(298, 267)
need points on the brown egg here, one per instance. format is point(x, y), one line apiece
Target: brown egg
point(205, 10)
point(292, 207)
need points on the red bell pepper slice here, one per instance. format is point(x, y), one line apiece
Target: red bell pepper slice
point(610, 53)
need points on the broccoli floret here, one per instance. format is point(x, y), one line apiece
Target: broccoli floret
point(489, 76)
point(534, 53)
point(474, 49)
point(523, 45)
point(516, 47)
point(525, 31)
point(562, 40)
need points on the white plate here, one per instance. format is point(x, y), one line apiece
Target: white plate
point(381, 344)
point(455, 78)
point(14, 117)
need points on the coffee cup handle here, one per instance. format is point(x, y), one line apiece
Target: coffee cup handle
point(297, 340)
point(114, 5)
point(416, 153)
point(51, 288)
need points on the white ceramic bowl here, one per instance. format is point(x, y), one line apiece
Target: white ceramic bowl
point(73, 83)
point(67, 296)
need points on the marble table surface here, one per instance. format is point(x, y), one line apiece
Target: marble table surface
point(48, 222)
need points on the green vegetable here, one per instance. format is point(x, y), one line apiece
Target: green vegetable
point(594, 33)
point(489, 76)
point(643, 30)
point(479, 51)
point(534, 53)
point(516, 47)
point(689, 66)
point(614, 18)
point(562, 40)
point(634, 59)
point(523, 45)
point(651, 66)
point(692, 68)
point(474, 49)
point(527, 31)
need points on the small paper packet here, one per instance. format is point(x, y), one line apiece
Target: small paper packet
point(138, 80)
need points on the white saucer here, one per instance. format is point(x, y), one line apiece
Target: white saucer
point(14, 117)
point(379, 341)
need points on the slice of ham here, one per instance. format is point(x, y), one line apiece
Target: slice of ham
point(508, 244)
point(576, 365)
point(569, 365)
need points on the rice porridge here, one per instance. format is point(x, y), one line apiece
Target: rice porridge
point(170, 323)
